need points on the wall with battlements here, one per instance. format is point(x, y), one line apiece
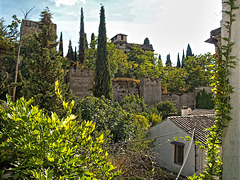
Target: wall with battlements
point(81, 81)
point(28, 26)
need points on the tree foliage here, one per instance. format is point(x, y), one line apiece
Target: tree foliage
point(178, 61)
point(168, 61)
point(165, 108)
point(37, 146)
point(103, 83)
point(108, 116)
point(204, 100)
point(82, 40)
point(61, 45)
point(70, 54)
point(9, 35)
point(44, 67)
point(174, 78)
point(199, 70)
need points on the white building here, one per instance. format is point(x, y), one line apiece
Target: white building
point(171, 148)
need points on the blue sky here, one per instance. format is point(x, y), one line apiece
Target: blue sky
point(169, 24)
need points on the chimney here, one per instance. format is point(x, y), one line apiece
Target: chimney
point(184, 111)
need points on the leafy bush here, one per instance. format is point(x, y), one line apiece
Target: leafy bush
point(155, 118)
point(36, 146)
point(108, 116)
point(131, 102)
point(204, 100)
point(165, 108)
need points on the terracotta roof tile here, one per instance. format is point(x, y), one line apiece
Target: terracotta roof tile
point(199, 122)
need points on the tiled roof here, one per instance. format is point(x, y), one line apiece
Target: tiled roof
point(199, 122)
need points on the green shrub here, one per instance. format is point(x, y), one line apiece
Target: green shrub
point(204, 100)
point(37, 146)
point(155, 118)
point(136, 104)
point(165, 108)
point(108, 116)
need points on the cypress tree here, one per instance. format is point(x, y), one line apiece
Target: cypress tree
point(75, 55)
point(82, 41)
point(146, 42)
point(183, 58)
point(168, 61)
point(44, 67)
point(86, 42)
point(189, 51)
point(159, 57)
point(103, 83)
point(61, 45)
point(70, 51)
point(178, 62)
point(160, 64)
point(92, 43)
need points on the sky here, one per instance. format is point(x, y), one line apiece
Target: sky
point(170, 25)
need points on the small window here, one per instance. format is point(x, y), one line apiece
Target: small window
point(178, 153)
point(121, 37)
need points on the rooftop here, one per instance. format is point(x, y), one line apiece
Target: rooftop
point(199, 122)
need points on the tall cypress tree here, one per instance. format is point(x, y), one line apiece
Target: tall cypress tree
point(86, 42)
point(168, 61)
point(178, 62)
point(160, 57)
point(75, 55)
point(183, 58)
point(160, 64)
point(82, 41)
point(61, 45)
point(92, 43)
point(103, 83)
point(44, 67)
point(146, 42)
point(70, 51)
point(189, 51)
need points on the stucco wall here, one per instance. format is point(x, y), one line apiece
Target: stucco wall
point(165, 150)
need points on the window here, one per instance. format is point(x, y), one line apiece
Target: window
point(178, 152)
point(121, 37)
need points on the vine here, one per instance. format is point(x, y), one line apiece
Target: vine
point(222, 91)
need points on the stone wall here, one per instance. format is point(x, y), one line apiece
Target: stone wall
point(123, 87)
point(81, 81)
point(28, 26)
point(151, 91)
point(185, 99)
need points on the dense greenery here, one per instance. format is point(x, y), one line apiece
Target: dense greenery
point(204, 100)
point(37, 146)
point(165, 108)
point(44, 67)
point(9, 35)
point(108, 116)
point(103, 82)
